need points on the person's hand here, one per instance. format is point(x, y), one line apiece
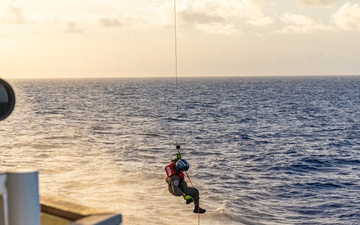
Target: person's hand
point(178, 156)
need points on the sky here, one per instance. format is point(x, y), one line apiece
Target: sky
point(136, 38)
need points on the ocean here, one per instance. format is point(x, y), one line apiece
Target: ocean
point(262, 150)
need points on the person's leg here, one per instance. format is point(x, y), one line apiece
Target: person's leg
point(193, 192)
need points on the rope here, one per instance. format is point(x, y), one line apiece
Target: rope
point(199, 198)
point(177, 98)
point(176, 75)
point(189, 179)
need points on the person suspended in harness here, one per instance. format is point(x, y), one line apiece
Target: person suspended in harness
point(177, 184)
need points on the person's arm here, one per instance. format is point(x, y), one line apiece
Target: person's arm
point(178, 156)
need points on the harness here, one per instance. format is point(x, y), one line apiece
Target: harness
point(170, 170)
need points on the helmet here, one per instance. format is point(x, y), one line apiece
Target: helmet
point(182, 164)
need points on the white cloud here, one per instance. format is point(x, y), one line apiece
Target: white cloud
point(209, 16)
point(218, 28)
point(260, 21)
point(199, 18)
point(11, 13)
point(347, 17)
point(146, 17)
point(301, 24)
point(316, 2)
point(221, 9)
point(222, 16)
point(73, 28)
point(112, 21)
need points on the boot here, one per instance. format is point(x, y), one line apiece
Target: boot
point(199, 210)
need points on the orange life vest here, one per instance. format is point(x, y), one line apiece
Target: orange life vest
point(170, 170)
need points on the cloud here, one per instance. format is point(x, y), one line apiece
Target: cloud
point(301, 24)
point(110, 21)
point(316, 2)
point(11, 13)
point(347, 17)
point(220, 9)
point(200, 18)
point(260, 21)
point(218, 28)
point(73, 28)
point(214, 16)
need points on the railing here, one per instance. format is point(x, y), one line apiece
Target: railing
point(20, 197)
point(20, 204)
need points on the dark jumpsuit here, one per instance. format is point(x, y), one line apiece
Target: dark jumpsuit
point(178, 187)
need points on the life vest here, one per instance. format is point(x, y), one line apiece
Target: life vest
point(170, 170)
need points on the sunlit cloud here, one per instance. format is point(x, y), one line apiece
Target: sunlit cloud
point(11, 13)
point(218, 28)
point(347, 17)
point(200, 18)
point(301, 24)
point(112, 21)
point(73, 28)
point(142, 32)
point(215, 16)
point(140, 18)
point(226, 17)
point(316, 2)
point(261, 21)
point(223, 9)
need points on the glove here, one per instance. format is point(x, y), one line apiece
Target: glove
point(187, 197)
point(178, 156)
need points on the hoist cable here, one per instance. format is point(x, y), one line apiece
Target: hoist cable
point(199, 198)
point(177, 99)
point(176, 76)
